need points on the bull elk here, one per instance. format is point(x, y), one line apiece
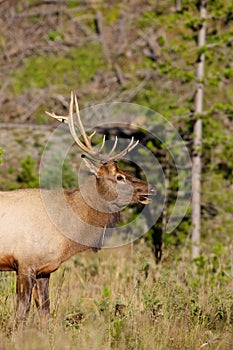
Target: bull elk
point(34, 246)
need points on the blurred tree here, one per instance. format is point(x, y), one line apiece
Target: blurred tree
point(178, 5)
point(197, 142)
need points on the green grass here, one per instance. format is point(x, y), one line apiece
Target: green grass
point(119, 299)
point(110, 301)
point(76, 68)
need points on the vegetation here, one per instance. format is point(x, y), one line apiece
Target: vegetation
point(144, 52)
point(41, 71)
point(28, 175)
point(121, 299)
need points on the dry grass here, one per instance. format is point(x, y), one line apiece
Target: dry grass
point(120, 299)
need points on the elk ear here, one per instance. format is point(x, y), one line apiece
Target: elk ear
point(91, 165)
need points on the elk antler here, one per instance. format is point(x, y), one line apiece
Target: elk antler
point(86, 146)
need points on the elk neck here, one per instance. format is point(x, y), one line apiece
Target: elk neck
point(91, 207)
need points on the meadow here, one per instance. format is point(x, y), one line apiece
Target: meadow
point(120, 299)
point(141, 52)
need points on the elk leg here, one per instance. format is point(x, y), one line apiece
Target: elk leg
point(41, 294)
point(24, 285)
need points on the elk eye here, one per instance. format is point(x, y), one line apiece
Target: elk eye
point(120, 178)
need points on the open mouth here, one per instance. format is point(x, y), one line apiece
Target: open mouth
point(144, 199)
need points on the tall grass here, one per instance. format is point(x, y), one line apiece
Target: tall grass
point(119, 299)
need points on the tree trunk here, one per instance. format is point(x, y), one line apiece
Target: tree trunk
point(196, 171)
point(178, 6)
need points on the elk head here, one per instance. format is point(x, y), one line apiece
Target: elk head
point(114, 187)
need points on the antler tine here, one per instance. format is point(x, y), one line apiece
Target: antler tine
point(102, 145)
point(114, 146)
point(126, 150)
point(80, 126)
point(60, 118)
point(90, 136)
point(70, 121)
point(86, 145)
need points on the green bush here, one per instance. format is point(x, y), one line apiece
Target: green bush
point(28, 175)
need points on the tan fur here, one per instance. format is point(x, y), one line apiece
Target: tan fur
point(35, 240)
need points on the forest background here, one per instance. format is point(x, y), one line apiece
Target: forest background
point(143, 52)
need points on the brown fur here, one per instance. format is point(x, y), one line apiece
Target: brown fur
point(34, 245)
point(8, 263)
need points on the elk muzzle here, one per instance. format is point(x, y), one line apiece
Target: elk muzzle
point(145, 197)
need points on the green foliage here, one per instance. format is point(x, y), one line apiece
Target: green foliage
point(42, 71)
point(170, 88)
point(28, 175)
point(1, 155)
point(111, 14)
point(53, 178)
point(69, 177)
point(55, 35)
point(146, 19)
point(124, 301)
point(72, 3)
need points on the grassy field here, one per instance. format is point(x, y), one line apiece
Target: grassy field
point(119, 299)
point(141, 52)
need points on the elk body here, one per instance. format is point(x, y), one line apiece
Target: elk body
point(34, 246)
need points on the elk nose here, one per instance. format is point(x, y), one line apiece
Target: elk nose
point(152, 190)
